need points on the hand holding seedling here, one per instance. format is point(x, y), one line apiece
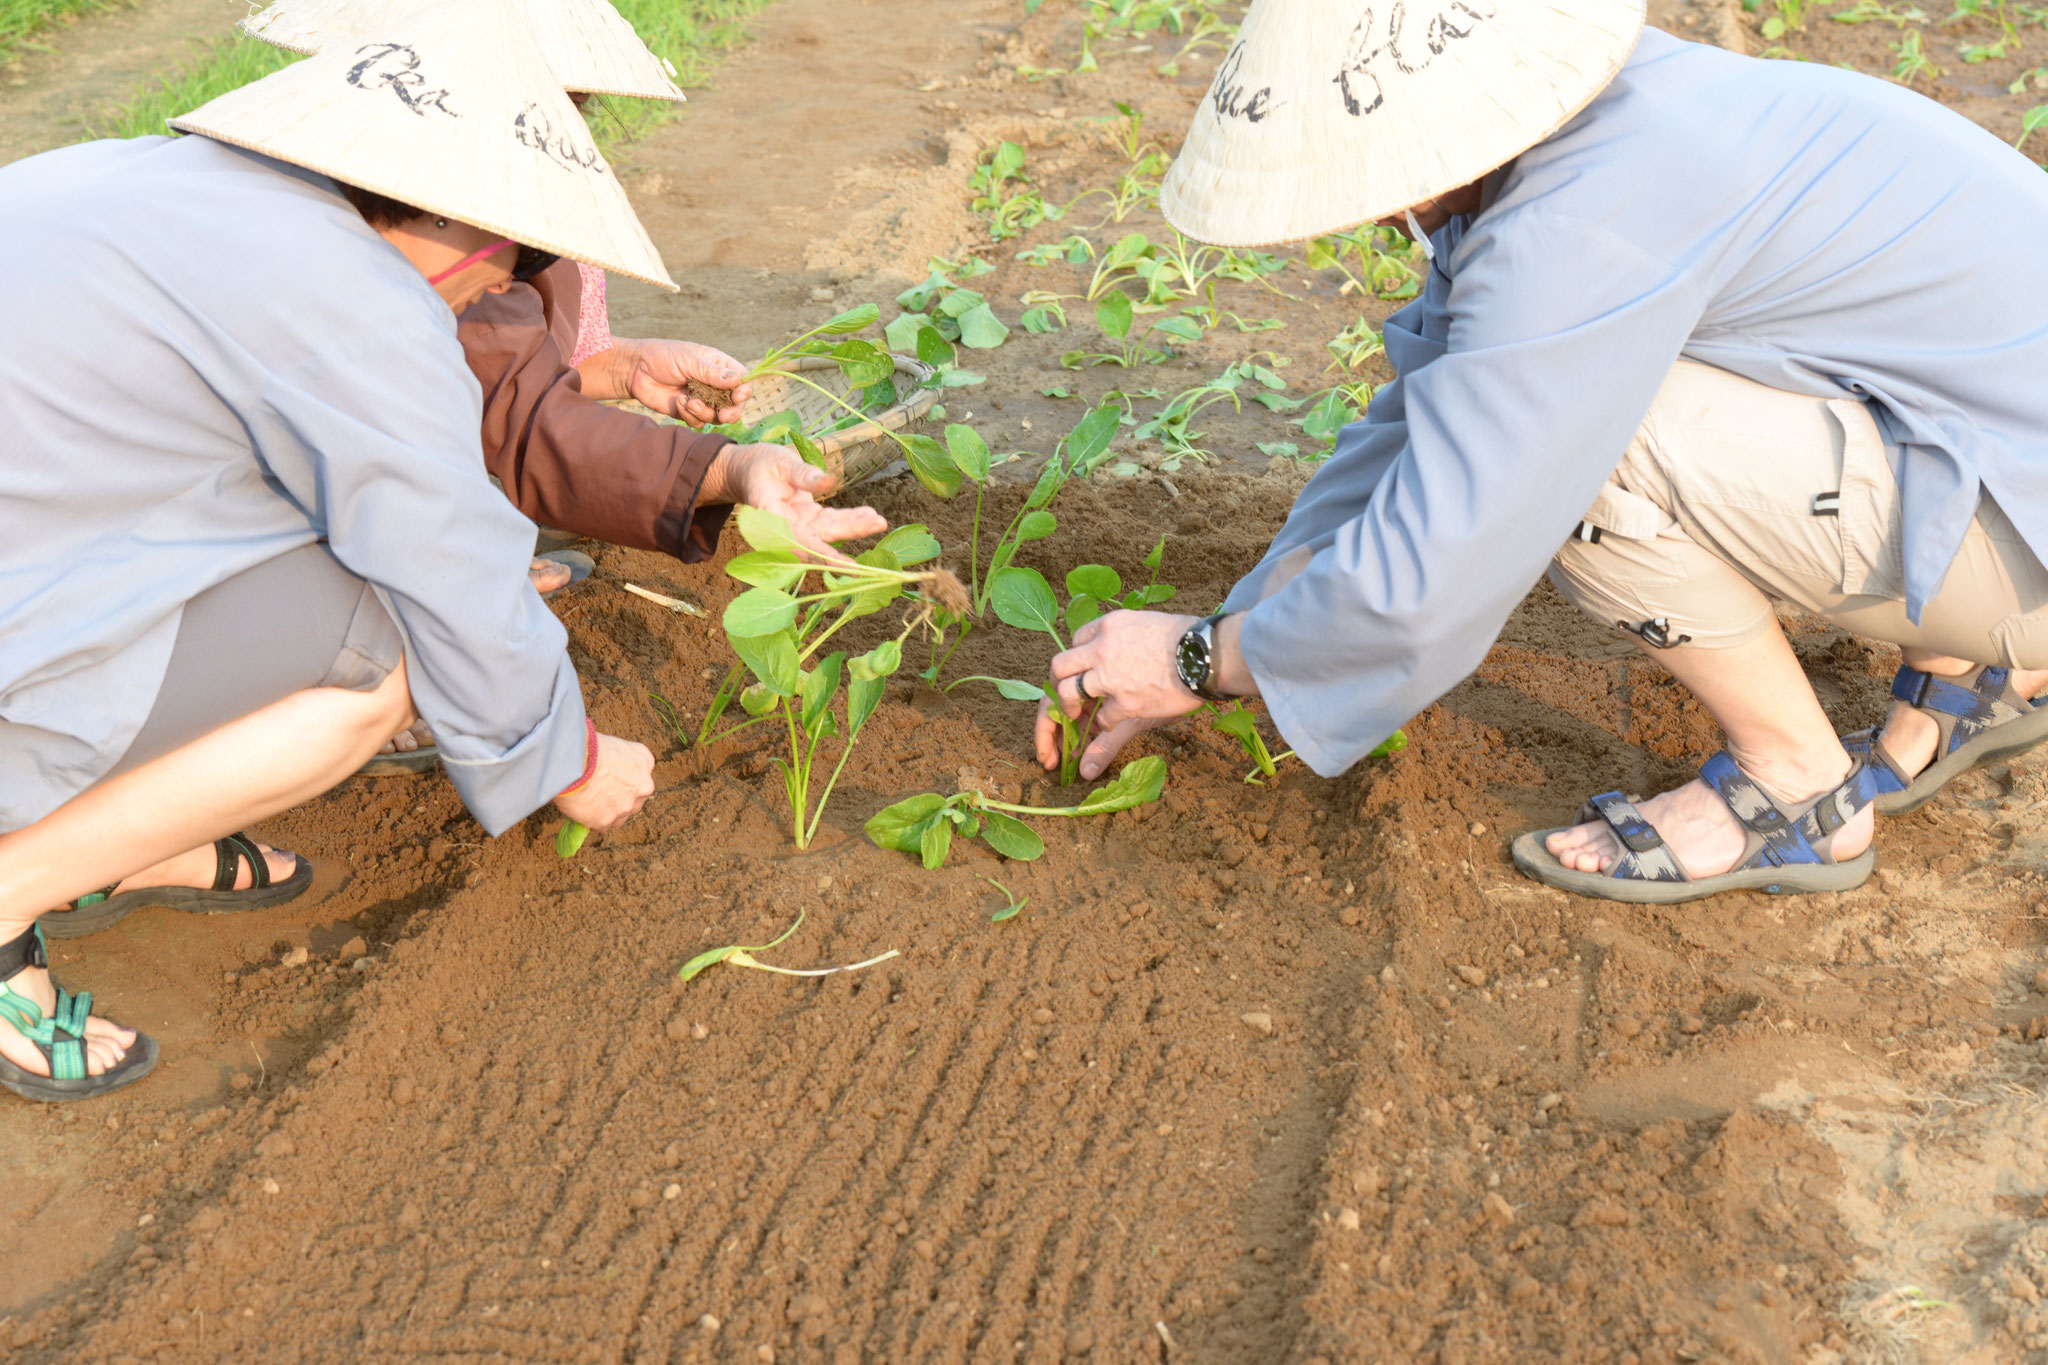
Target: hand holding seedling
point(659, 373)
point(775, 479)
point(1125, 663)
point(623, 781)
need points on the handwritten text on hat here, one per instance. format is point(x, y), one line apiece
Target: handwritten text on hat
point(396, 66)
point(1360, 81)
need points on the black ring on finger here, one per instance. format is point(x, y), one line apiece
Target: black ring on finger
point(1081, 686)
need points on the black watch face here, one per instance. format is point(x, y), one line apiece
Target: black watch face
point(1194, 661)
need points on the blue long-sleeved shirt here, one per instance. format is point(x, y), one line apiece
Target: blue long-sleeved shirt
point(1809, 228)
point(208, 359)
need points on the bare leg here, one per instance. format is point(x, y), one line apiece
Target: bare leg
point(1777, 733)
point(1909, 736)
point(150, 816)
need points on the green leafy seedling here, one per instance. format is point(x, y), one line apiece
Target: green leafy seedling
point(569, 838)
point(1015, 906)
point(1003, 196)
point(928, 823)
point(741, 955)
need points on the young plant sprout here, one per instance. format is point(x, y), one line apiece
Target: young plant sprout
point(1173, 425)
point(927, 824)
point(777, 628)
point(1079, 455)
point(956, 313)
point(740, 955)
point(1013, 908)
point(1008, 213)
point(1241, 725)
point(569, 838)
point(1117, 317)
point(1389, 266)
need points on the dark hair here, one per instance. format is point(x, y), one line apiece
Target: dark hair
point(380, 211)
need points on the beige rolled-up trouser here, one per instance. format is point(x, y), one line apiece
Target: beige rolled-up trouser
point(1734, 493)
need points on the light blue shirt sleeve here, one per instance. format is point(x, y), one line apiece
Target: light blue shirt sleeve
point(1405, 557)
point(365, 437)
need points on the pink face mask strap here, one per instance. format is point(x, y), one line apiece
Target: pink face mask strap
point(471, 259)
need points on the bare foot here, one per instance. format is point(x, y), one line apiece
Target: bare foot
point(415, 736)
point(106, 1042)
point(546, 575)
point(1910, 736)
point(1698, 828)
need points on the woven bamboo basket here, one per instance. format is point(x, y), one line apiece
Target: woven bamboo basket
point(857, 452)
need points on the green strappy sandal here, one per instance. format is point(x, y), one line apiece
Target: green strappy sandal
point(60, 1036)
point(104, 909)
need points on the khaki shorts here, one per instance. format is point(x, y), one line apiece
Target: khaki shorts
point(1734, 494)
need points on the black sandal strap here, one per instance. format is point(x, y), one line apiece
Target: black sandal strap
point(230, 854)
point(22, 952)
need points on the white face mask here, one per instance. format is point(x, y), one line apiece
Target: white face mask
point(1419, 237)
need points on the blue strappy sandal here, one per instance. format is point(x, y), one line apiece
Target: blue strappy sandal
point(59, 1036)
point(1981, 720)
point(1789, 850)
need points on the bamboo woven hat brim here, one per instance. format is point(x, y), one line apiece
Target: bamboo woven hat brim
point(1330, 113)
point(588, 44)
point(454, 111)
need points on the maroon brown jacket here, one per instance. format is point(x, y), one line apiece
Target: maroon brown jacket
point(569, 461)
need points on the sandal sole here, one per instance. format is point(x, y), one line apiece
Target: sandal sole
point(1995, 745)
point(191, 900)
point(140, 1061)
point(1798, 880)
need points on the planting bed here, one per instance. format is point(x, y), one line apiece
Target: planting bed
point(1293, 1072)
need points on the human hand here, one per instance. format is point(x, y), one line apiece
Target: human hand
point(776, 479)
point(659, 372)
point(1126, 662)
point(623, 781)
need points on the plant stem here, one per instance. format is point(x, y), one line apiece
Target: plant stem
point(826, 795)
point(742, 958)
point(790, 779)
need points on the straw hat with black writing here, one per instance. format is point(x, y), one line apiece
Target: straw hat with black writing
point(1330, 113)
point(451, 109)
point(589, 45)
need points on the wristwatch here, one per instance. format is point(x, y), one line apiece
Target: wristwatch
point(1195, 658)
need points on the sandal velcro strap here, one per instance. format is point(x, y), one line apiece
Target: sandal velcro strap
point(1753, 806)
point(1647, 859)
point(230, 853)
point(1840, 806)
point(1925, 692)
point(23, 951)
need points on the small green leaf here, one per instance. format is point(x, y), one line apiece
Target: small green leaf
point(863, 363)
point(863, 695)
point(1140, 782)
point(981, 329)
point(1392, 744)
point(968, 451)
point(765, 530)
point(707, 959)
point(1128, 249)
point(1022, 598)
point(880, 662)
point(1057, 391)
point(1051, 478)
point(960, 301)
point(933, 348)
point(1043, 318)
point(1095, 580)
point(960, 379)
point(912, 544)
point(1286, 450)
point(902, 333)
point(1088, 443)
point(767, 569)
point(1186, 329)
point(931, 464)
point(1238, 722)
point(1036, 524)
point(757, 699)
point(820, 685)
point(760, 611)
point(1157, 556)
point(1113, 316)
point(1150, 595)
point(1080, 611)
point(852, 320)
point(899, 826)
point(933, 843)
point(770, 658)
point(1015, 902)
point(1009, 687)
point(1011, 837)
point(569, 838)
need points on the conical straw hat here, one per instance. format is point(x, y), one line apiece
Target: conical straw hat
point(1331, 113)
point(589, 45)
point(454, 111)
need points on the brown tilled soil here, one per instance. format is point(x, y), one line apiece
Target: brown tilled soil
point(1301, 1072)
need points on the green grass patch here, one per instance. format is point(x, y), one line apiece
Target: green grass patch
point(218, 67)
point(21, 20)
point(692, 34)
